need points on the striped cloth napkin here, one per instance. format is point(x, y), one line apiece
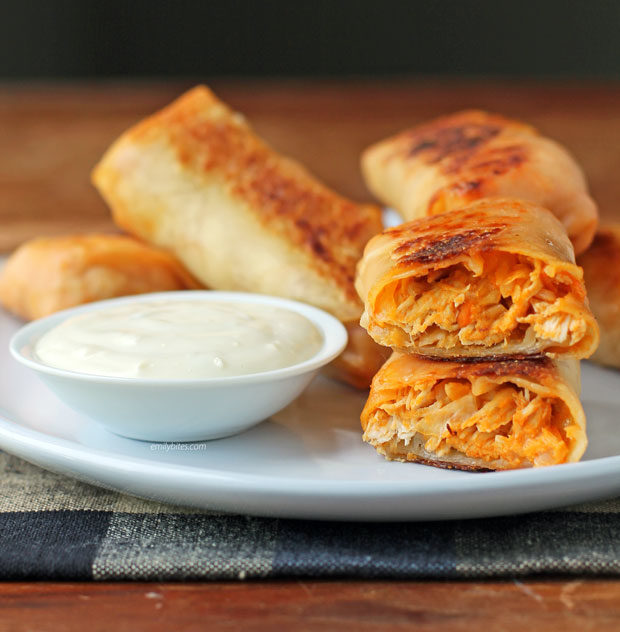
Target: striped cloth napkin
point(56, 528)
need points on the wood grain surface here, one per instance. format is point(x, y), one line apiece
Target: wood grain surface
point(52, 135)
point(311, 606)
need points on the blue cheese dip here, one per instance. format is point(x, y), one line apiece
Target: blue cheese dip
point(180, 339)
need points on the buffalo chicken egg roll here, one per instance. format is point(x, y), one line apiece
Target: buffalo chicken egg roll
point(360, 360)
point(495, 278)
point(455, 160)
point(601, 270)
point(476, 415)
point(47, 274)
point(195, 179)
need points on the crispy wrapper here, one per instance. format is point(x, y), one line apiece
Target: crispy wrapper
point(477, 415)
point(196, 180)
point(48, 274)
point(360, 360)
point(452, 161)
point(495, 278)
point(601, 270)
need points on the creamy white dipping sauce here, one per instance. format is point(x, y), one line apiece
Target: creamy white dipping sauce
point(180, 339)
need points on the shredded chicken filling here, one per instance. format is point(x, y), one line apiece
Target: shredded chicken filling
point(497, 423)
point(493, 300)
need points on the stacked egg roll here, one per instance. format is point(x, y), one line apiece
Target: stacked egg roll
point(488, 414)
point(487, 314)
point(494, 278)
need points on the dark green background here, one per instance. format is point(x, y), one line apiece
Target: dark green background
point(98, 38)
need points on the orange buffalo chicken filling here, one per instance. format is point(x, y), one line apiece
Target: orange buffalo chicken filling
point(493, 299)
point(502, 424)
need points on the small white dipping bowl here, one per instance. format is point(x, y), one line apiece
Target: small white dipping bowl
point(181, 410)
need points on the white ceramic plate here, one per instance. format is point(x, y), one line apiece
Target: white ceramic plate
point(306, 462)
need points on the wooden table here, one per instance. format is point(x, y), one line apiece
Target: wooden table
point(50, 137)
point(314, 606)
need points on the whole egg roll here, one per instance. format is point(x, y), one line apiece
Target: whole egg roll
point(495, 278)
point(476, 415)
point(195, 179)
point(360, 360)
point(601, 271)
point(454, 160)
point(47, 274)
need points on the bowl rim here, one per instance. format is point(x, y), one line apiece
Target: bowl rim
point(333, 332)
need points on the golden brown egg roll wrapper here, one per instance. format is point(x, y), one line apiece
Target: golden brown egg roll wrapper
point(46, 275)
point(360, 360)
point(601, 270)
point(452, 161)
point(195, 179)
point(495, 278)
point(477, 415)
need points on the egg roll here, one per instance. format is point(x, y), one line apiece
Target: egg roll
point(601, 269)
point(495, 278)
point(476, 415)
point(360, 360)
point(48, 274)
point(454, 160)
point(195, 179)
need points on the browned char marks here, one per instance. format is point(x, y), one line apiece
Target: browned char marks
point(498, 160)
point(496, 357)
point(471, 175)
point(468, 145)
point(445, 139)
point(535, 368)
point(427, 249)
point(405, 456)
point(447, 465)
point(279, 192)
point(447, 236)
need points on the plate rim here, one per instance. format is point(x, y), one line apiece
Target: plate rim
point(13, 434)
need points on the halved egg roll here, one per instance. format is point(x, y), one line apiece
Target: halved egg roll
point(495, 278)
point(601, 272)
point(454, 160)
point(477, 415)
point(48, 274)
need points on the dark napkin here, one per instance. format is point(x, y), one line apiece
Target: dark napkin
point(53, 527)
